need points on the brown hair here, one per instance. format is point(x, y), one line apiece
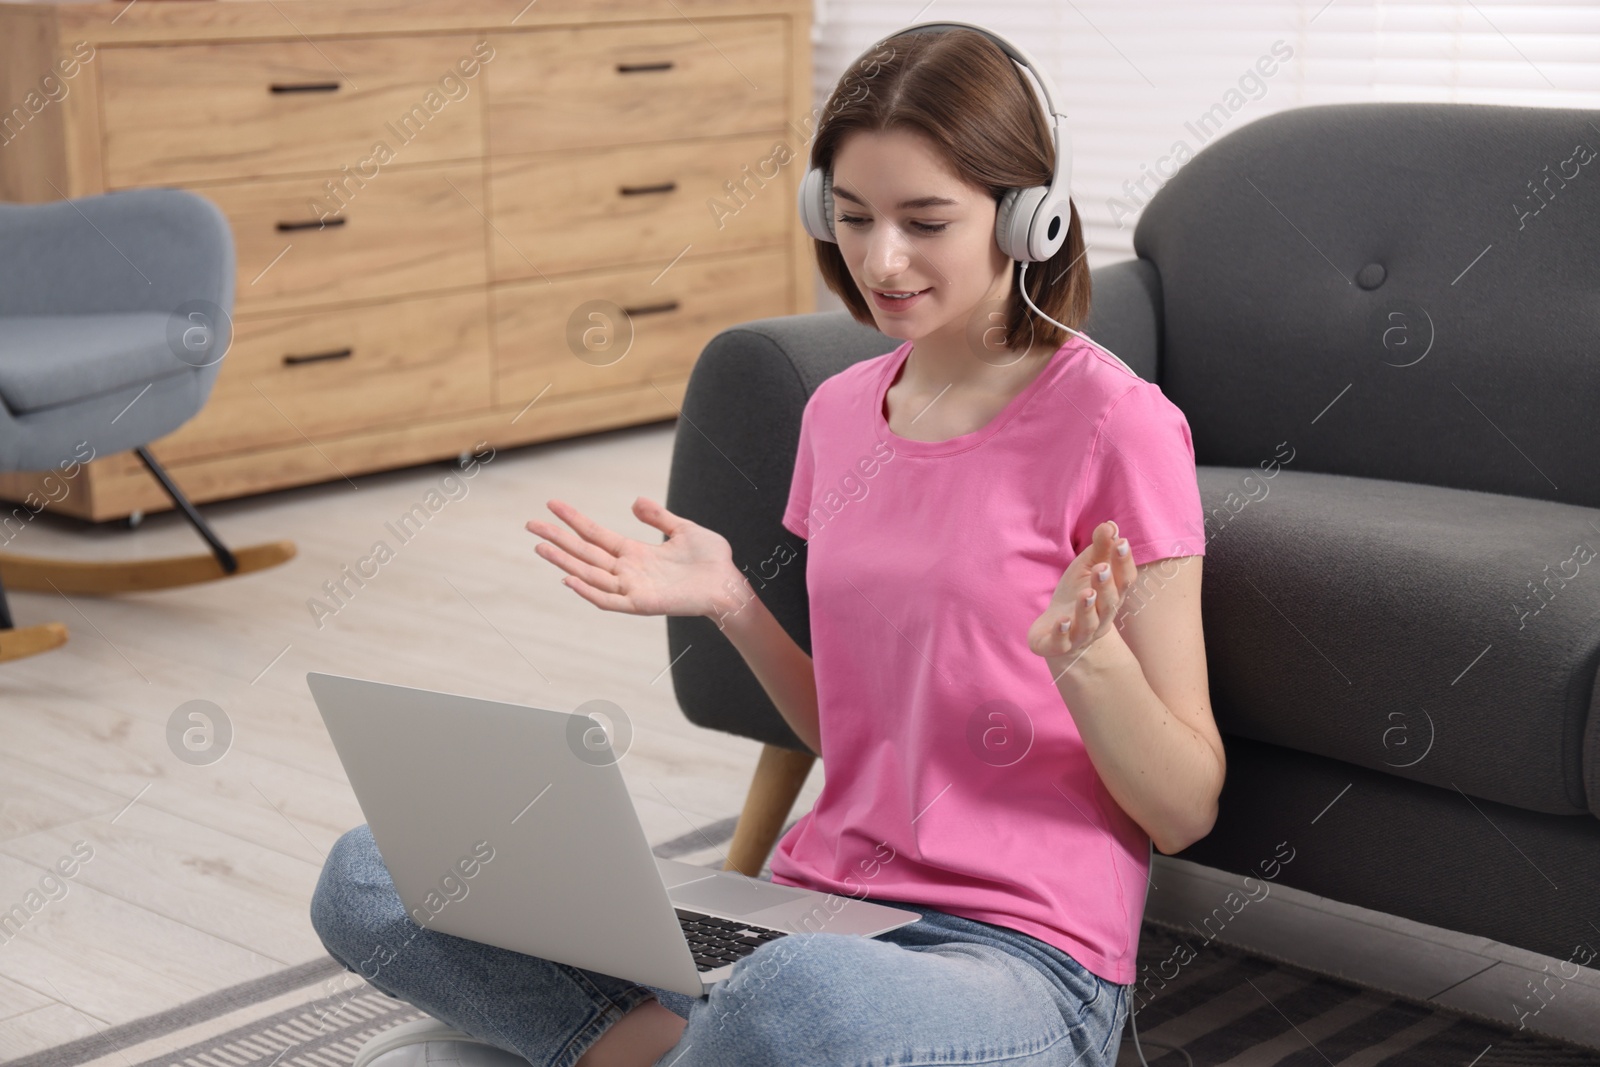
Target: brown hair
point(972, 100)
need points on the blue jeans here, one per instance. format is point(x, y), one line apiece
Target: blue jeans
point(943, 990)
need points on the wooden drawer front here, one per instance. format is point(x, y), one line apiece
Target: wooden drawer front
point(331, 373)
point(637, 205)
point(209, 111)
point(406, 231)
point(701, 297)
point(593, 86)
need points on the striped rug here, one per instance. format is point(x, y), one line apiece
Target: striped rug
point(1225, 1007)
point(1230, 1008)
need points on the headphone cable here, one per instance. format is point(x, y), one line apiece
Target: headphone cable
point(1022, 288)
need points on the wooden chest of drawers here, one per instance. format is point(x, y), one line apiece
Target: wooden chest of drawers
point(456, 222)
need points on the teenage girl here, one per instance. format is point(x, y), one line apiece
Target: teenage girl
point(1007, 683)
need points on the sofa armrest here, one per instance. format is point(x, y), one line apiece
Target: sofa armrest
point(1125, 314)
point(732, 463)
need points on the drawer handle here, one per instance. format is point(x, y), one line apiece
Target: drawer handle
point(652, 309)
point(305, 87)
point(308, 224)
point(640, 190)
point(319, 357)
point(632, 68)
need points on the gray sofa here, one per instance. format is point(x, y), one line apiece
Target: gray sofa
point(1382, 322)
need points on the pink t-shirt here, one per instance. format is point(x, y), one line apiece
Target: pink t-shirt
point(956, 777)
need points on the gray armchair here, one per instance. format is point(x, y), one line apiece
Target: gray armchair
point(1380, 321)
point(114, 321)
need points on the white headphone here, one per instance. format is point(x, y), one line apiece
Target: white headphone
point(1030, 225)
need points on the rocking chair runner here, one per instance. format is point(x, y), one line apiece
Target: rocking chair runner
point(114, 319)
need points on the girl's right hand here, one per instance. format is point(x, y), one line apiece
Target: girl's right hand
point(690, 573)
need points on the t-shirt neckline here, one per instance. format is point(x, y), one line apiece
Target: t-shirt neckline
point(906, 446)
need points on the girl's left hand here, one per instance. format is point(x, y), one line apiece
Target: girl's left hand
point(1087, 598)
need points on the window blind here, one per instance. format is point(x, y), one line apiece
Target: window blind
point(1138, 80)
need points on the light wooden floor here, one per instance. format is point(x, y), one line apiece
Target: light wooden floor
point(201, 875)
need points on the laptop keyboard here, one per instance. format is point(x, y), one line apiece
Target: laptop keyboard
point(718, 942)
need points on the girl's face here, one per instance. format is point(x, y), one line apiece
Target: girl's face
point(906, 222)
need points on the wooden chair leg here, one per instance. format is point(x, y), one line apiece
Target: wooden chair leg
point(109, 577)
point(38, 574)
point(31, 640)
point(780, 774)
point(28, 641)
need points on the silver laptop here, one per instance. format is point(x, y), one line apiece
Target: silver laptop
point(512, 826)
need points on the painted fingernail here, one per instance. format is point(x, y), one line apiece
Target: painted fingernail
point(1065, 626)
point(1090, 598)
point(1122, 548)
point(1102, 572)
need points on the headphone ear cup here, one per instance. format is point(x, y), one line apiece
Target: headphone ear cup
point(1002, 223)
point(827, 205)
point(816, 205)
point(1013, 221)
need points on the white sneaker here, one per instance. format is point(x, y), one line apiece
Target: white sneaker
point(431, 1043)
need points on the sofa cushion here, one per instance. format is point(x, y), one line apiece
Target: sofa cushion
point(1445, 635)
